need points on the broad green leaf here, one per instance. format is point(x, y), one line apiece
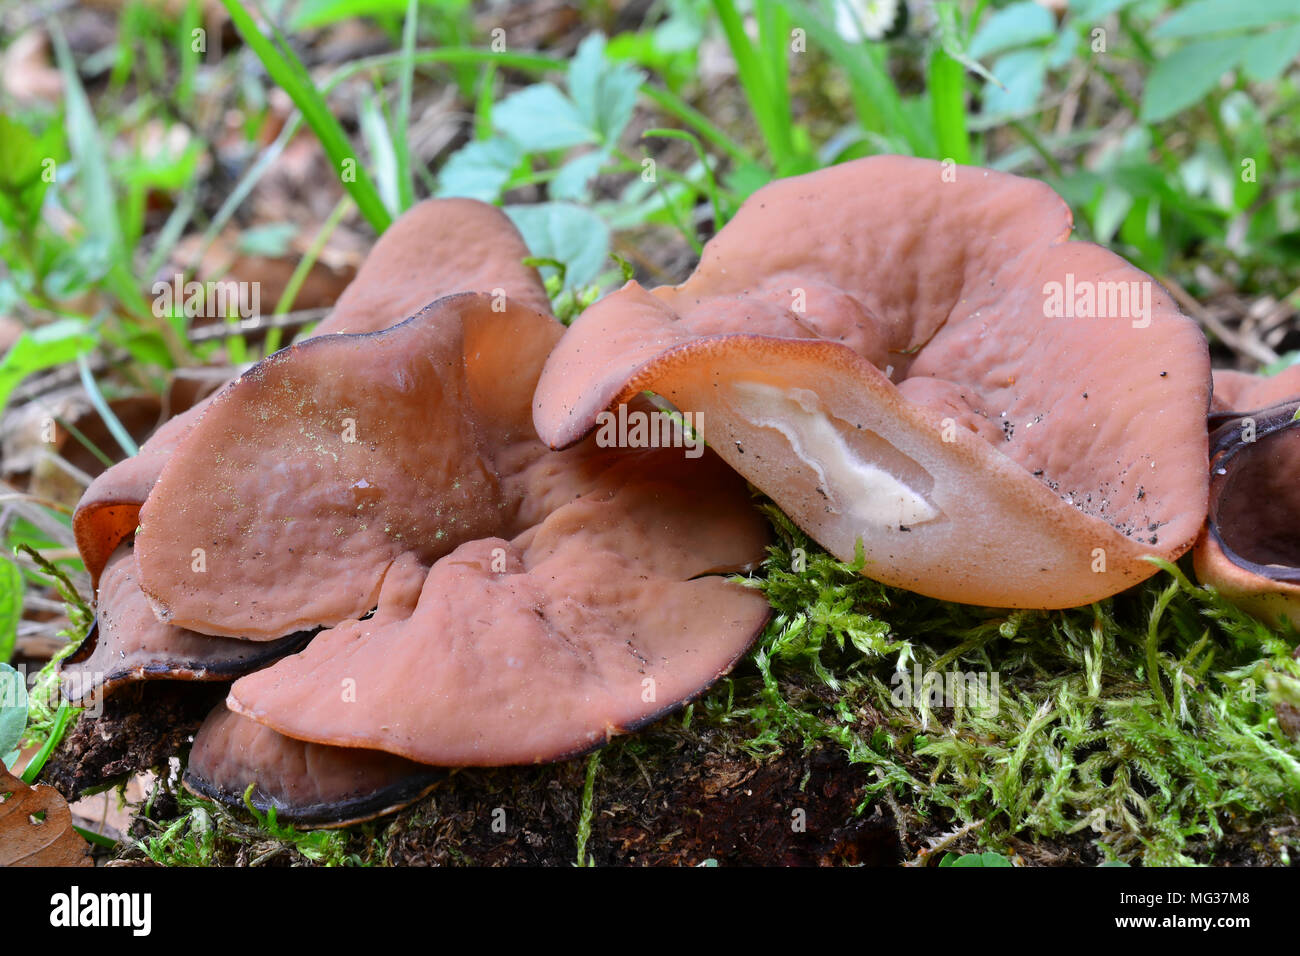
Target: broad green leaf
point(13, 708)
point(20, 155)
point(1184, 77)
point(480, 170)
point(603, 90)
point(1061, 52)
point(1270, 53)
point(40, 348)
point(974, 859)
point(1093, 10)
point(1014, 26)
point(1022, 73)
point(541, 118)
point(1221, 16)
point(1111, 210)
point(24, 161)
point(574, 177)
point(567, 233)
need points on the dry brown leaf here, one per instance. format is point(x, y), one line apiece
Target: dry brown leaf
point(36, 827)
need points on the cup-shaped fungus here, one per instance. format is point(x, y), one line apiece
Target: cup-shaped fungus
point(563, 596)
point(911, 356)
point(1250, 551)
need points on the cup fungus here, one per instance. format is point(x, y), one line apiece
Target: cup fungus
point(527, 603)
point(1249, 551)
point(910, 356)
point(571, 594)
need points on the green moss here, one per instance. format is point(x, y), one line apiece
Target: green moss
point(1146, 719)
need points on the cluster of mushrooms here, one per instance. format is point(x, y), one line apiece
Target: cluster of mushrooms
point(404, 543)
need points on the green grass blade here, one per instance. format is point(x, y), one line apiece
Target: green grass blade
point(111, 421)
point(679, 109)
point(286, 70)
point(875, 98)
point(62, 718)
point(947, 81)
point(755, 79)
point(402, 121)
point(303, 269)
point(11, 607)
point(714, 199)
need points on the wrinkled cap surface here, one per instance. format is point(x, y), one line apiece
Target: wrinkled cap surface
point(305, 783)
point(1250, 551)
point(1000, 416)
point(437, 248)
point(604, 614)
point(283, 507)
point(128, 643)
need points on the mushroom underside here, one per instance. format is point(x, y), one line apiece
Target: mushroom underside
point(1250, 552)
point(997, 415)
point(127, 643)
point(305, 783)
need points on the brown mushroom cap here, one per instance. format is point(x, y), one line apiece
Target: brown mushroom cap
point(312, 472)
point(1250, 552)
point(128, 643)
point(601, 617)
point(306, 783)
point(439, 247)
point(869, 346)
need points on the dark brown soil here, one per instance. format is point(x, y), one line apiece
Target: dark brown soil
point(139, 729)
point(699, 805)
